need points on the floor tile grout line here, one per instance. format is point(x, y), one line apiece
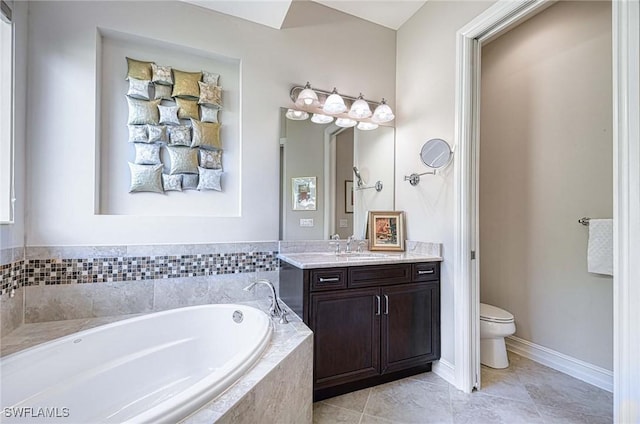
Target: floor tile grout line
point(339, 407)
point(366, 403)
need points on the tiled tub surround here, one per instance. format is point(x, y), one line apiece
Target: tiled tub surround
point(11, 269)
point(75, 265)
point(67, 269)
point(81, 282)
point(277, 389)
point(11, 281)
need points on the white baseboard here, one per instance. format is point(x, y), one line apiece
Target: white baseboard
point(445, 370)
point(576, 368)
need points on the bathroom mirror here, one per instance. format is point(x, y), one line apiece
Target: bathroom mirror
point(329, 153)
point(436, 153)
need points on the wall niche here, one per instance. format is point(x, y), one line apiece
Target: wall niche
point(115, 151)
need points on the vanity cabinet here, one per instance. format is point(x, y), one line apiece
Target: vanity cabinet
point(372, 324)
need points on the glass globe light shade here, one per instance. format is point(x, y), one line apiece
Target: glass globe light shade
point(296, 115)
point(360, 109)
point(307, 97)
point(383, 113)
point(319, 118)
point(346, 122)
point(334, 104)
point(367, 126)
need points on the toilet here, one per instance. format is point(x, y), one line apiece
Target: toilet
point(495, 325)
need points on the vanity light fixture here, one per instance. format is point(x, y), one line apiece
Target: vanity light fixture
point(307, 97)
point(367, 126)
point(360, 109)
point(324, 106)
point(296, 115)
point(334, 103)
point(319, 118)
point(346, 122)
point(383, 113)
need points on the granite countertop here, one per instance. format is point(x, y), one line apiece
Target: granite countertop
point(310, 260)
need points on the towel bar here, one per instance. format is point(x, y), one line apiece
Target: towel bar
point(584, 221)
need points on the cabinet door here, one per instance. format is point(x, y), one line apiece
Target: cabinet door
point(410, 325)
point(346, 327)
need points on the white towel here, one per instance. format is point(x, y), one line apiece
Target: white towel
point(600, 250)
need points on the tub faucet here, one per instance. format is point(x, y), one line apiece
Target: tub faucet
point(275, 309)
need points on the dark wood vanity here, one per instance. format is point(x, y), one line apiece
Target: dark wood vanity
point(371, 323)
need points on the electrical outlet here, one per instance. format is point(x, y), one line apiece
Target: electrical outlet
point(344, 223)
point(306, 222)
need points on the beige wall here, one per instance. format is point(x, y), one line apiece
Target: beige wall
point(545, 161)
point(425, 87)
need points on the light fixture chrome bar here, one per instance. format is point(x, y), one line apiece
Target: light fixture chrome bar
point(296, 89)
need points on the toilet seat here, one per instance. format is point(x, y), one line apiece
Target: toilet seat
point(492, 313)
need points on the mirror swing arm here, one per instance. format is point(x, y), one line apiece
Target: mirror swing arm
point(414, 178)
point(435, 154)
point(360, 185)
point(378, 186)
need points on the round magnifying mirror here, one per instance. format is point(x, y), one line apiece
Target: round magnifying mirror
point(436, 153)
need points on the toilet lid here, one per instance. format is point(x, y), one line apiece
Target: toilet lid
point(494, 314)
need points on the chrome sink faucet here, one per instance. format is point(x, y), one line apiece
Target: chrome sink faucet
point(336, 241)
point(275, 309)
point(350, 240)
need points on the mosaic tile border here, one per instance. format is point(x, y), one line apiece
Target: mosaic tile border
point(11, 276)
point(32, 272)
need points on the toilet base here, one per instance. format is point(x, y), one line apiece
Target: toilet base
point(493, 353)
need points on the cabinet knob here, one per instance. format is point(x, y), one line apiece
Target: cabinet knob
point(377, 305)
point(428, 271)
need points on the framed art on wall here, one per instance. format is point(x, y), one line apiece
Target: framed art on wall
point(386, 230)
point(304, 193)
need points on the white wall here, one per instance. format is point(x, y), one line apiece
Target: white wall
point(12, 235)
point(545, 161)
point(62, 107)
point(425, 85)
point(374, 153)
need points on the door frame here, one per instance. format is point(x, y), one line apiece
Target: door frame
point(330, 134)
point(626, 167)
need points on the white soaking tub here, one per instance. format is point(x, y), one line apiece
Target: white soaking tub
point(154, 368)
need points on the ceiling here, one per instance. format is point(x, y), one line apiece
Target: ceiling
point(388, 13)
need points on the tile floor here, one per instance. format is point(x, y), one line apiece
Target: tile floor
point(526, 392)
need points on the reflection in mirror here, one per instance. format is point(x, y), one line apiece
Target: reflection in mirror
point(330, 153)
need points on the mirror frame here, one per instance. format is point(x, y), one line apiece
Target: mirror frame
point(430, 143)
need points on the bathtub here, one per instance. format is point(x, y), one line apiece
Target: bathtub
point(154, 368)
